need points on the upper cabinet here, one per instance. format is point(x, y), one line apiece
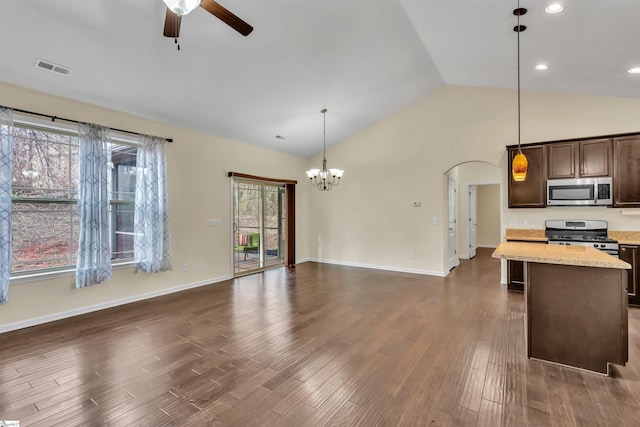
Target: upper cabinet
point(532, 192)
point(614, 156)
point(579, 159)
point(626, 171)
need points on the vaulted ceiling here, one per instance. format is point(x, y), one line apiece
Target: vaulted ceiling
point(361, 59)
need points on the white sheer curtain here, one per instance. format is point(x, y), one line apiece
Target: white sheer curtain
point(94, 250)
point(6, 171)
point(151, 248)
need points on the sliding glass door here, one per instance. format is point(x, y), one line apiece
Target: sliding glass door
point(259, 215)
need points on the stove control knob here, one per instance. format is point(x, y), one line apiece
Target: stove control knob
point(595, 245)
point(602, 245)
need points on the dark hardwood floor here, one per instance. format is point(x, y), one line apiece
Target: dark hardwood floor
point(313, 346)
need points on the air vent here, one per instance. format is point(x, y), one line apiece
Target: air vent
point(50, 66)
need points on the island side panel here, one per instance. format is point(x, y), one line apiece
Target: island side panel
point(576, 316)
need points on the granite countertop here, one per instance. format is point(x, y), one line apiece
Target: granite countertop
point(625, 237)
point(558, 254)
point(537, 235)
point(529, 234)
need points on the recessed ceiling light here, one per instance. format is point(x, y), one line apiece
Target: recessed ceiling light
point(554, 8)
point(542, 67)
point(634, 70)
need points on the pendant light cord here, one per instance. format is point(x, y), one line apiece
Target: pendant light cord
point(519, 29)
point(324, 133)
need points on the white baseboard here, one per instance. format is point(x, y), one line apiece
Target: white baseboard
point(382, 267)
point(88, 309)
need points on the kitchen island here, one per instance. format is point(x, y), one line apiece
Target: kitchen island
point(575, 304)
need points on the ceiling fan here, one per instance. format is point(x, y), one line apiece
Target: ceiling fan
point(177, 8)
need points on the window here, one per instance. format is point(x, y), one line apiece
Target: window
point(45, 218)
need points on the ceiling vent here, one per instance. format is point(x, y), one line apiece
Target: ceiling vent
point(50, 66)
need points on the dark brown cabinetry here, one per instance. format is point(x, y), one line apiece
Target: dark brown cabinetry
point(631, 254)
point(617, 156)
point(579, 159)
point(626, 171)
point(561, 160)
point(530, 193)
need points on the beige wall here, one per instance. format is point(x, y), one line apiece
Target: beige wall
point(199, 189)
point(488, 215)
point(369, 219)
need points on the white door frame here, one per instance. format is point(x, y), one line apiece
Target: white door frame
point(452, 233)
point(471, 220)
point(478, 183)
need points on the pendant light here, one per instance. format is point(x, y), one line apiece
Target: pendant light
point(520, 163)
point(325, 179)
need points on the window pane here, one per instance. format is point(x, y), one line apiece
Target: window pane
point(45, 164)
point(122, 236)
point(123, 178)
point(45, 235)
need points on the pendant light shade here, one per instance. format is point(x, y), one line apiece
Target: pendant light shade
point(520, 164)
point(519, 167)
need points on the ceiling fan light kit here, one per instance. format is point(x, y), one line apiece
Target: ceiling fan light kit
point(182, 7)
point(177, 8)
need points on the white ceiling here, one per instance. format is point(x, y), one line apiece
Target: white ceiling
point(361, 59)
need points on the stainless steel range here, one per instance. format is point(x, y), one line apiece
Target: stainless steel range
point(581, 233)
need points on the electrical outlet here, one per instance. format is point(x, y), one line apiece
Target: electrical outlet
point(329, 247)
point(434, 220)
point(185, 267)
point(412, 255)
point(200, 265)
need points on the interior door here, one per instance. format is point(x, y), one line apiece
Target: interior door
point(259, 215)
point(453, 240)
point(473, 221)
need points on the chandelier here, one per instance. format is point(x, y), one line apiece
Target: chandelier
point(325, 179)
point(520, 164)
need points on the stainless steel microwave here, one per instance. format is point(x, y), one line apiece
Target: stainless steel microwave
point(580, 192)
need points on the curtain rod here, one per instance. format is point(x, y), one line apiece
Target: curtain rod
point(54, 118)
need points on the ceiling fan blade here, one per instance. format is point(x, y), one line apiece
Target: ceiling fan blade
point(227, 17)
point(172, 24)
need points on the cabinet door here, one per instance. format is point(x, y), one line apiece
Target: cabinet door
point(631, 254)
point(626, 171)
point(594, 157)
point(561, 160)
point(530, 193)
